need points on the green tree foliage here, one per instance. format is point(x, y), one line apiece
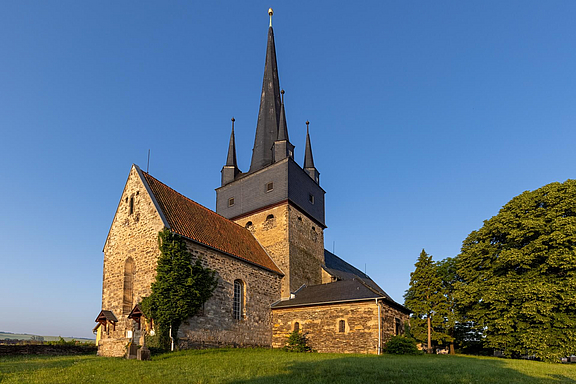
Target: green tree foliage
point(519, 274)
point(296, 342)
point(182, 286)
point(426, 300)
point(447, 272)
point(401, 345)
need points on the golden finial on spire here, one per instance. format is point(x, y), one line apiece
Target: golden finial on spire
point(270, 12)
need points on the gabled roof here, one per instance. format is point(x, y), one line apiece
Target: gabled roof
point(202, 225)
point(334, 293)
point(344, 271)
point(106, 316)
point(338, 291)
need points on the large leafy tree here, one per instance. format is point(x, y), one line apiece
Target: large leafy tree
point(519, 274)
point(181, 287)
point(426, 300)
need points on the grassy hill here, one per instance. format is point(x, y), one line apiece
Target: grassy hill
point(26, 336)
point(274, 366)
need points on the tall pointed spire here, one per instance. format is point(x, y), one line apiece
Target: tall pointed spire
point(231, 159)
point(309, 159)
point(269, 113)
point(230, 170)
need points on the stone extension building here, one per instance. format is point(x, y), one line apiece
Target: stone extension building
point(265, 241)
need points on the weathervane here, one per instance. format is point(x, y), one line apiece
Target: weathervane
point(270, 12)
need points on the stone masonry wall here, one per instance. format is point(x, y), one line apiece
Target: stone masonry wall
point(132, 235)
point(389, 315)
point(320, 324)
point(215, 326)
point(293, 241)
point(272, 234)
point(306, 250)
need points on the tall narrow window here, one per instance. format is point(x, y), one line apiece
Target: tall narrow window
point(342, 326)
point(127, 301)
point(131, 207)
point(238, 309)
point(297, 327)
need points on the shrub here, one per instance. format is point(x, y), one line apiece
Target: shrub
point(401, 345)
point(297, 343)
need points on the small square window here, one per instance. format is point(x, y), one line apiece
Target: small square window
point(269, 187)
point(230, 201)
point(311, 198)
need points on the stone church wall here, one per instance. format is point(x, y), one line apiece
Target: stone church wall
point(320, 324)
point(215, 325)
point(389, 315)
point(306, 250)
point(132, 235)
point(272, 234)
point(293, 241)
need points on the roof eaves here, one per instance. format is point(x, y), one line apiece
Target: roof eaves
point(328, 302)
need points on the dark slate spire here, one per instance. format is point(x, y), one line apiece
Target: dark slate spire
point(230, 170)
point(231, 159)
point(282, 127)
point(282, 146)
point(269, 114)
point(308, 159)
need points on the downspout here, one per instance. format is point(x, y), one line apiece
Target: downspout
point(379, 331)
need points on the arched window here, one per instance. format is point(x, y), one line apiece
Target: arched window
point(127, 302)
point(297, 327)
point(248, 225)
point(342, 326)
point(269, 217)
point(238, 309)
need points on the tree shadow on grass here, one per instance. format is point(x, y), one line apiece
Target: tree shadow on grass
point(410, 369)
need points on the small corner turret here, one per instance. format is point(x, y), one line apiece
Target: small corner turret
point(230, 171)
point(282, 146)
point(309, 159)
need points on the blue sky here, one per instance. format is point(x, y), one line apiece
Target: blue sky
point(425, 118)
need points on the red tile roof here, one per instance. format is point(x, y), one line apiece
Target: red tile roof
point(194, 221)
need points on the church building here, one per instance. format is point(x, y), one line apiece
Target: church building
point(266, 243)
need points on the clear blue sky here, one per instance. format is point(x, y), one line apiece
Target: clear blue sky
point(425, 117)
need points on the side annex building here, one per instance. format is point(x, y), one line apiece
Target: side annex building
point(265, 241)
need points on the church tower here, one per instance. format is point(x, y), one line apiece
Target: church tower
point(281, 203)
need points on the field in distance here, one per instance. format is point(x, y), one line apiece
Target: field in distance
point(262, 366)
point(26, 336)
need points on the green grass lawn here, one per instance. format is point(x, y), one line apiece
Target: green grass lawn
point(274, 366)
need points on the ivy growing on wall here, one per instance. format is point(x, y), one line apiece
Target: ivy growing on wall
point(181, 287)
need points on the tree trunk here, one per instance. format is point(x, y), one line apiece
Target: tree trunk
point(429, 335)
point(452, 352)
